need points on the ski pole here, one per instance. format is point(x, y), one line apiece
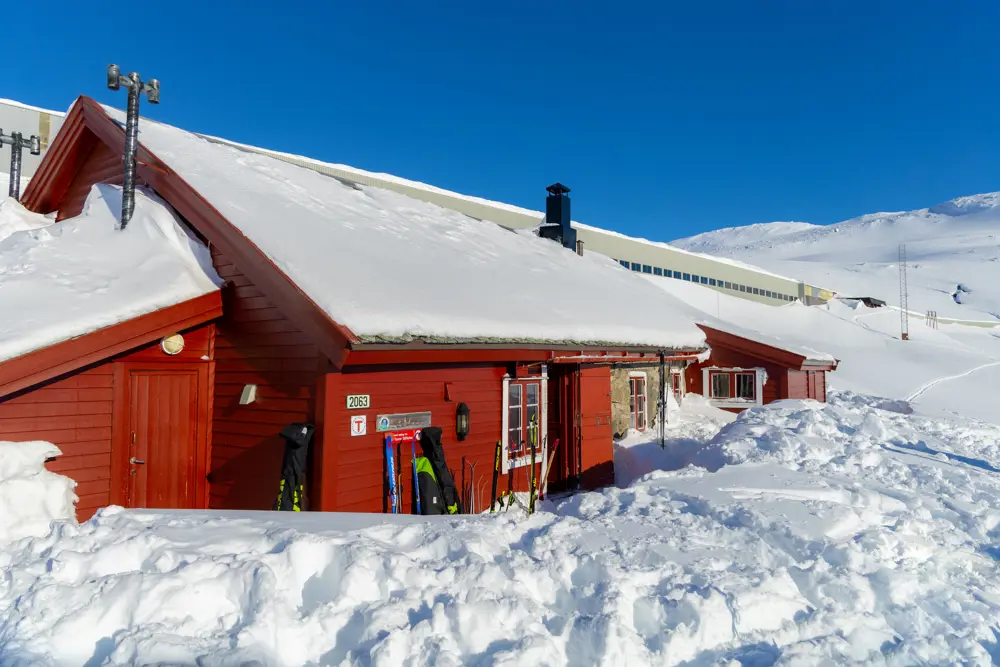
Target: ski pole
point(496, 475)
point(416, 482)
point(391, 469)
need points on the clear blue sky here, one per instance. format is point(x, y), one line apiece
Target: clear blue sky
point(665, 118)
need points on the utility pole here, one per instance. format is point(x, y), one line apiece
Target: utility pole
point(17, 143)
point(904, 315)
point(135, 87)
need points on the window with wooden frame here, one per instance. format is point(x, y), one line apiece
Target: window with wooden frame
point(523, 414)
point(677, 384)
point(719, 385)
point(637, 402)
point(733, 385)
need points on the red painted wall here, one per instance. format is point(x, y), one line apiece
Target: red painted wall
point(356, 470)
point(75, 412)
point(256, 344)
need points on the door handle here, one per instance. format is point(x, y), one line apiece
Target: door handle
point(135, 461)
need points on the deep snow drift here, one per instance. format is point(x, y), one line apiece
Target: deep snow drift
point(79, 275)
point(953, 369)
point(30, 496)
point(951, 244)
point(839, 532)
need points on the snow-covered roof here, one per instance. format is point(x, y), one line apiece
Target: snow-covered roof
point(28, 107)
point(809, 354)
point(65, 280)
point(391, 268)
point(530, 216)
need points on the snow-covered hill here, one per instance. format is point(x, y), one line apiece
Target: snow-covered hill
point(953, 254)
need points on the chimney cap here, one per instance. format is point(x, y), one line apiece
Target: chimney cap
point(557, 189)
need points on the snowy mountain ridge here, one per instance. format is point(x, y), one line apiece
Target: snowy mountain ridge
point(731, 241)
point(953, 256)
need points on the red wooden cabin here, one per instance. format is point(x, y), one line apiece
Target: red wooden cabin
point(199, 429)
point(746, 369)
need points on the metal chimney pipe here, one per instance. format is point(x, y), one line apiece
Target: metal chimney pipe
point(579, 248)
point(131, 144)
point(15, 166)
point(135, 88)
point(17, 144)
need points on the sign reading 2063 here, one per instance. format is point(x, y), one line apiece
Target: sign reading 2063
point(358, 401)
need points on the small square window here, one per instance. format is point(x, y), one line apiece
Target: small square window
point(704, 280)
point(728, 285)
point(719, 383)
point(695, 278)
point(711, 281)
point(746, 386)
point(678, 275)
point(657, 271)
point(623, 262)
point(636, 266)
point(767, 293)
point(756, 290)
point(687, 276)
point(743, 288)
point(646, 268)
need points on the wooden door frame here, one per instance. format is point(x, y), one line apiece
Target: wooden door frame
point(121, 414)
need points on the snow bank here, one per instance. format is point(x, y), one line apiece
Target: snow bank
point(16, 218)
point(31, 497)
point(71, 278)
point(405, 269)
point(833, 534)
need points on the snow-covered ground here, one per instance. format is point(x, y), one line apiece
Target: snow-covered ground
point(952, 253)
point(831, 534)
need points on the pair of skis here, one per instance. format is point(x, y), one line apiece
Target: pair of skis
point(390, 458)
point(510, 496)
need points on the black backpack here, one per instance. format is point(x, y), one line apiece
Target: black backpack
point(430, 442)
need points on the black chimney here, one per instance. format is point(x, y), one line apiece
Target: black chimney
point(557, 221)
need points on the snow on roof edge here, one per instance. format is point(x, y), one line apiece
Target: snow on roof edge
point(29, 107)
point(809, 354)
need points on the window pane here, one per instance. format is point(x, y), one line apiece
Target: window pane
point(657, 271)
point(678, 276)
point(746, 386)
point(743, 288)
point(728, 286)
point(635, 266)
point(704, 280)
point(695, 278)
point(756, 290)
point(711, 281)
point(623, 262)
point(720, 385)
point(646, 268)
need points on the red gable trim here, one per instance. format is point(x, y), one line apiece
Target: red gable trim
point(49, 362)
point(331, 337)
point(776, 355)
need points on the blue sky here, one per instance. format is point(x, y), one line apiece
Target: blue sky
point(665, 118)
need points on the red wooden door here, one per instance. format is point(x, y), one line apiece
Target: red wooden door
point(596, 433)
point(163, 441)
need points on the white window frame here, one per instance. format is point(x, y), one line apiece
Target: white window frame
point(541, 455)
point(679, 374)
point(645, 399)
point(760, 377)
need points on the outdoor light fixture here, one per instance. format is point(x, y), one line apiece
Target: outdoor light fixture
point(135, 87)
point(462, 421)
point(173, 344)
point(17, 143)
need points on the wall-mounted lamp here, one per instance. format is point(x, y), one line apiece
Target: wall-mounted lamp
point(462, 421)
point(249, 394)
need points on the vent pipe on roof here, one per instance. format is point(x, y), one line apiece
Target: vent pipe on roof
point(557, 224)
point(17, 143)
point(135, 88)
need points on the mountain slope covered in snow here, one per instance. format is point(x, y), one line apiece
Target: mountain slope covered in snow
point(953, 256)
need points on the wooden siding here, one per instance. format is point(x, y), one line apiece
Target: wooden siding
point(357, 466)
point(102, 165)
point(798, 384)
point(73, 413)
point(255, 344)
